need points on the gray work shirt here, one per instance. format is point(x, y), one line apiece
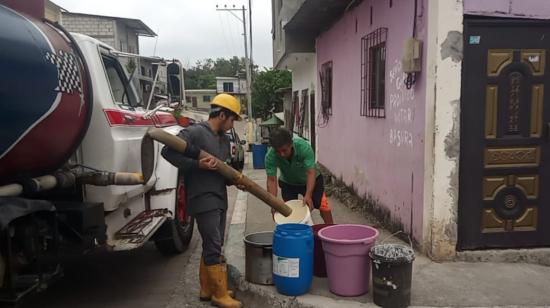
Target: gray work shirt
point(206, 190)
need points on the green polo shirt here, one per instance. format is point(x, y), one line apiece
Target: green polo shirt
point(293, 172)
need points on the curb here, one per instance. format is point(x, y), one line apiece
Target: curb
point(539, 256)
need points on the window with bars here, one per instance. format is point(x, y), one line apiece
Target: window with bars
point(296, 110)
point(373, 73)
point(228, 87)
point(326, 89)
point(303, 111)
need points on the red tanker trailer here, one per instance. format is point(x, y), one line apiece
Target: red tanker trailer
point(45, 94)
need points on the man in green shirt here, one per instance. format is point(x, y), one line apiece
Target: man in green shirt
point(299, 172)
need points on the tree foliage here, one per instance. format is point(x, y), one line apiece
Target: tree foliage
point(264, 91)
point(131, 66)
point(265, 83)
point(203, 74)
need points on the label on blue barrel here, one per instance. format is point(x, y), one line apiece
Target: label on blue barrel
point(286, 267)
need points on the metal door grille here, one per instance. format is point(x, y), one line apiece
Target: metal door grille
point(325, 76)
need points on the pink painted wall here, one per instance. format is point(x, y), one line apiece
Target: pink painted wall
point(381, 157)
point(539, 9)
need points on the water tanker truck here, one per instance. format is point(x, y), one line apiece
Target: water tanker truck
point(71, 128)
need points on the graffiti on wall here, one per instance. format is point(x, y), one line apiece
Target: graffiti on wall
point(400, 108)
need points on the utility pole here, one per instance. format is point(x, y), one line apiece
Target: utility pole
point(246, 59)
point(248, 71)
point(250, 32)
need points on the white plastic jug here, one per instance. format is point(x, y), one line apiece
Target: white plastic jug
point(300, 214)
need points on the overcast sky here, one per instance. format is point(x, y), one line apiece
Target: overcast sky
point(189, 30)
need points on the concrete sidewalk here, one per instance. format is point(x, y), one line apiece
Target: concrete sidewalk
point(456, 284)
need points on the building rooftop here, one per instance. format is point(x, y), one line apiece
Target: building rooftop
point(135, 24)
point(200, 90)
point(57, 6)
point(228, 78)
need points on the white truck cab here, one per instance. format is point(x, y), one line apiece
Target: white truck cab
point(113, 142)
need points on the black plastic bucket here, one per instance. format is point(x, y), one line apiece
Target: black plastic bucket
point(392, 275)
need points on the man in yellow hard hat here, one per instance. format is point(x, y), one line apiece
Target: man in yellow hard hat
point(207, 193)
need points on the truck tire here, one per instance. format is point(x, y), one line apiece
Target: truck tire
point(174, 235)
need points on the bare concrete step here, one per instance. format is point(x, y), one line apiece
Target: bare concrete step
point(535, 256)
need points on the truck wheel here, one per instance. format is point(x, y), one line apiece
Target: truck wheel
point(175, 234)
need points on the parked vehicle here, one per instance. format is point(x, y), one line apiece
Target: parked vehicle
point(237, 150)
point(71, 173)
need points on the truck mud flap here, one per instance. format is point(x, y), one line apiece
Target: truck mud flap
point(12, 208)
point(82, 222)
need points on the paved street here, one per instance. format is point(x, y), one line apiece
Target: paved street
point(140, 279)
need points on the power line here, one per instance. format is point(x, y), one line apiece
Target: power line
point(246, 58)
point(225, 39)
point(235, 16)
point(156, 41)
point(231, 27)
point(235, 33)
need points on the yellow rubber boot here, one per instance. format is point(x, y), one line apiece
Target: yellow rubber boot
point(223, 262)
point(217, 277)
point(206, 293)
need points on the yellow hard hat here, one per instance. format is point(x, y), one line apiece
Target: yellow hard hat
point(228, 102)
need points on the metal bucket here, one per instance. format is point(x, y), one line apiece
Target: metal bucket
point(259, 253)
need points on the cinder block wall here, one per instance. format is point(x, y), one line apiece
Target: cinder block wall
point(99, 28)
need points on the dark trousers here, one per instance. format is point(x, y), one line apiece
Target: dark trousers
point(291, 192)
point(211, 225)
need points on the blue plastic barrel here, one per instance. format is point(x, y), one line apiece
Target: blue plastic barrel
point(258, 155)
point(293, 258)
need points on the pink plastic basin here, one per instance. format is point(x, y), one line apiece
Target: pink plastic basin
point(347, 259)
